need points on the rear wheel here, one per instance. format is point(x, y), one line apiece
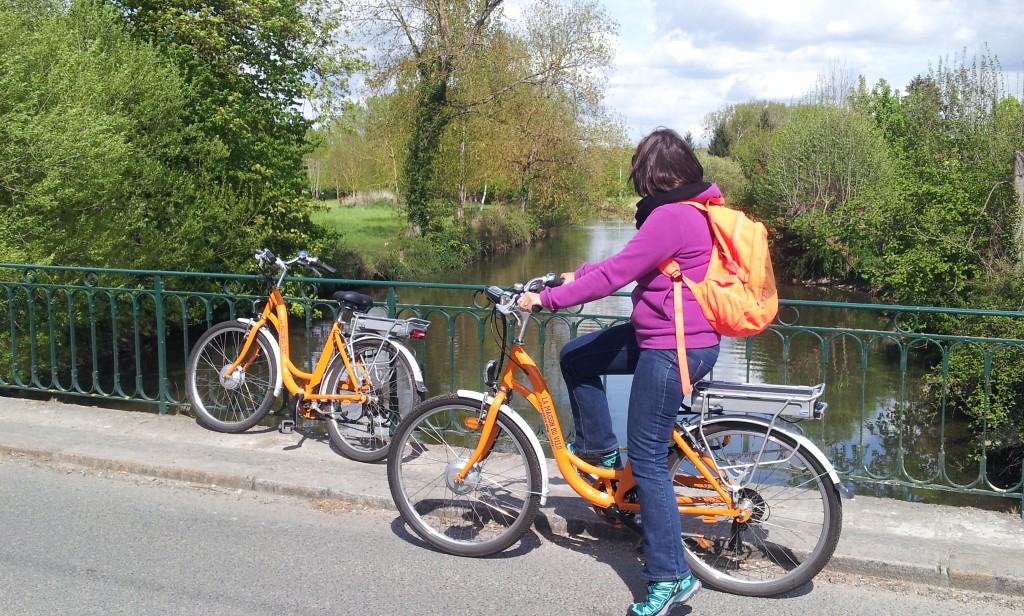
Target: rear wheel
point(795, 512)
point(237, 401)
point(491, 507)
point(363, 431)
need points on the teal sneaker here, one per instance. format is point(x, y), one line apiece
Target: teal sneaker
point(608, 460)
point(661, 596)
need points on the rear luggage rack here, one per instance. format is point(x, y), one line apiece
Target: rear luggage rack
point(763, 399)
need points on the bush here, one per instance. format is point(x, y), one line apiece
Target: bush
point(727, 174)
point(503, 228)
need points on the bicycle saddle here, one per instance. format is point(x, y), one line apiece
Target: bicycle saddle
point(356, 301)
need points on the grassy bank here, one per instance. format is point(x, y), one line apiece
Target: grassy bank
point(374, 242)
point(364, 229)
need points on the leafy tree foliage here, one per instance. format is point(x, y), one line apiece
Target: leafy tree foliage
point(248, 67)
point(90, 122)
point(171, 141)
point(956, 214)
point(827, 174)
point(483, 106)
point(910, 194)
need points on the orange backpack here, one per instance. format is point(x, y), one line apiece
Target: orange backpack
point(738, 295)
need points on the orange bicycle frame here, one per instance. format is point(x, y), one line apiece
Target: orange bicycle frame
point(275, 315)
point(611, 486)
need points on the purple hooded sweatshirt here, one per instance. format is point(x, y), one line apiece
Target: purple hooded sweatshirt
point(673, 230)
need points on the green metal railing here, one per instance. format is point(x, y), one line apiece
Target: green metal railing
point(895, 423)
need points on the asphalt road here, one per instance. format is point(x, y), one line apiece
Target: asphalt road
point(78, 541)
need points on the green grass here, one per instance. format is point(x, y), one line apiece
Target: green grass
point(365, 229)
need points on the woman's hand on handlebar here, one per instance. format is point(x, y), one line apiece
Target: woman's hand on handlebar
point(530, 302)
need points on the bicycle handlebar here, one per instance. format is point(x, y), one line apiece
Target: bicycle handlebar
point(265, 256)
point(506, 300)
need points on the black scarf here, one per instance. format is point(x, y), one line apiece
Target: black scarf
point(687, 191)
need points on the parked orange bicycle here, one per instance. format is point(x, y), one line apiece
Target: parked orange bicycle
point(363, 382)
point(759, 504)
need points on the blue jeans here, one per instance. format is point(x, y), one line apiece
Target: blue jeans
point(653, 405)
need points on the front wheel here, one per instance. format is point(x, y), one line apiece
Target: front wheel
point(796, 513)
point(229, 400)
point(363, 431)
point(491, 507)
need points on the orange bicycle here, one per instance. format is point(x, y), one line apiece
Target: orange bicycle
point(759, 503)
point(364, 380)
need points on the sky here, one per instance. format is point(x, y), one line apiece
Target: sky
point(679, 60)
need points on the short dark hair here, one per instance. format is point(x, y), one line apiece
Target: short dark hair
point(664, 161)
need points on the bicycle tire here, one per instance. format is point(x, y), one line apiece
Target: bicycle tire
point(496, 503)
point(363, 431)
point(797, 514)
point(230, 404)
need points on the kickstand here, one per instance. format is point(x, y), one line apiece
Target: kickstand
point(287, 426)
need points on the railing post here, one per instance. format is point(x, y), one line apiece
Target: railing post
point(161, 343)
point(392, 303)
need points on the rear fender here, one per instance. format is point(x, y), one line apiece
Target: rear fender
point(804, 442)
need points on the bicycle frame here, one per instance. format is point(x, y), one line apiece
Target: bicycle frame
point(275, 315)
point(611, 486)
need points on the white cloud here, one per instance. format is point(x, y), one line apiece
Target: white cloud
point(679, 61)
point(842, 26)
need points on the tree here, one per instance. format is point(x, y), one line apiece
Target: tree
point(473, 79)
point(249, 67)
point(432, 39)
point(830, 178)
point(736, 124)
point(90, 122)
point(954, 133)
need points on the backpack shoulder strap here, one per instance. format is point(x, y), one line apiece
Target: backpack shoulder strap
point(671, 269)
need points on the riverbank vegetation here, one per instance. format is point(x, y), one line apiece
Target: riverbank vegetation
point(913, 195)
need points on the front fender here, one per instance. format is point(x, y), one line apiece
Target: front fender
point(405, 352)
point(272, 341)
point(801, 440)
point(509, 412)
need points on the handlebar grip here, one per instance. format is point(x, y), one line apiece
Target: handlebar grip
point(328, 268)
point(555, 282)
point(536, 308)
point(268, 256)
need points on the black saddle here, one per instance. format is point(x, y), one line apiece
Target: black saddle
point(351, 300)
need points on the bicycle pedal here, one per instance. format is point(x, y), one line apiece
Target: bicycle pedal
point(608, 516)
point(287, 426)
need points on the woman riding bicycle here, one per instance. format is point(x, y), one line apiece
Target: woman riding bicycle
point(664, 172)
